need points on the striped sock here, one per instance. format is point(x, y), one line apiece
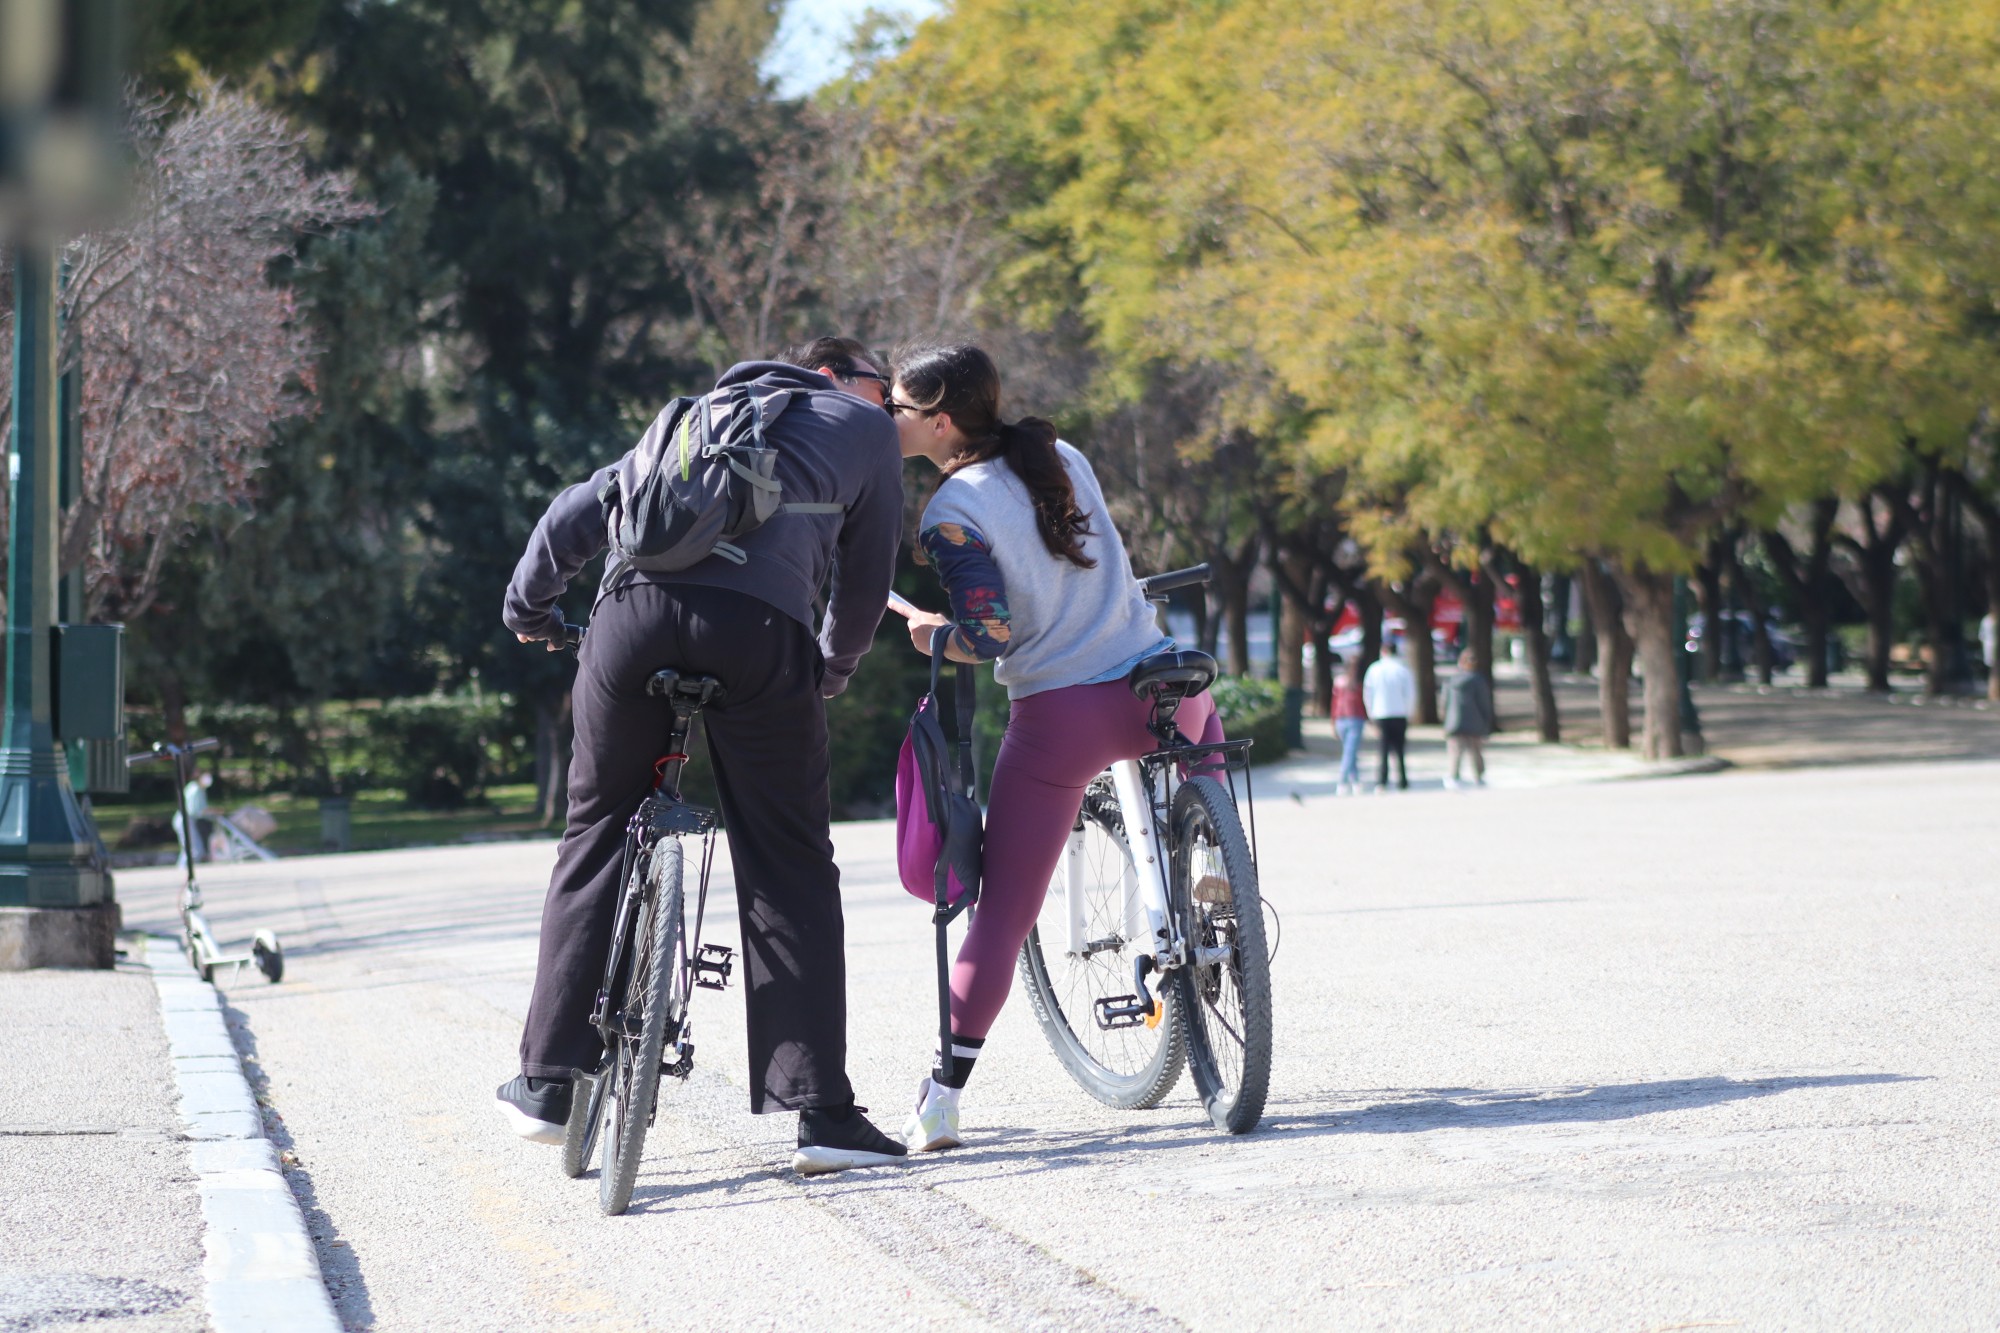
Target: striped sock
point(955, 1066)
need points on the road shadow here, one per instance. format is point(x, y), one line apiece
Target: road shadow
point(1469, 1108)
point(1004, 1149)
point(340, 1267)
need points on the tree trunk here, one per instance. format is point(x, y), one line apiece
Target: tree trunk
point(1805, 583)
point(1937, 551)
point(1480, 593)
point(1875, 573)
point(554, 733)
point(1534, 629)
point(173, 705)
point(1708, 592)
point(1760, 626)
point(1649, 615)
point(1322, 682)
point(1613, 653)
point(1371, 629)
point(1412, 601)
point(1987, 510)
point(1562, 648)
point(1585, 661)
point(1292, 621)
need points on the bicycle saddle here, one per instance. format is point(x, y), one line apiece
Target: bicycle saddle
point(684, 688)
point(1183, 672)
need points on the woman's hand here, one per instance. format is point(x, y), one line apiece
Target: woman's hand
point(922, 627)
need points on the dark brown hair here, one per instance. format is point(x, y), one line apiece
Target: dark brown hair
point(962, 382)
point(842, 356)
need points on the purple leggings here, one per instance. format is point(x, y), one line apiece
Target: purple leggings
point(1056, 743)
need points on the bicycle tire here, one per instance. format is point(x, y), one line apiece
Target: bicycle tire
point(1128, 1068)
point(580, 1133)
point(1226, 1002)
point(635, 1064)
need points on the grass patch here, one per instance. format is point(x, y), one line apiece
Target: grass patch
point(382, 819)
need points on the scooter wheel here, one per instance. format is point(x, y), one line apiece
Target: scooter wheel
point(269, 956)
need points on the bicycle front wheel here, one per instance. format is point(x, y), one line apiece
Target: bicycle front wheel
point(648, 1014)
point(1225, 988)
point(1122, 1063)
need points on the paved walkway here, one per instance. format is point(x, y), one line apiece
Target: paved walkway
point(1629, 1055)
point(100, 1223)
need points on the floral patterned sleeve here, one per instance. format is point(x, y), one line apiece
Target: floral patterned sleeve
point(965, 565)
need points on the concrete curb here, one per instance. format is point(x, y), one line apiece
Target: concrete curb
point(261, 1271)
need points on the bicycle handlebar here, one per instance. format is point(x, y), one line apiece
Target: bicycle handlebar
point(1160, 585)
point(164, 749)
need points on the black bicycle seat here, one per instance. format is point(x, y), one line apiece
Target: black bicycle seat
point(684, 687)
point(1183, 672)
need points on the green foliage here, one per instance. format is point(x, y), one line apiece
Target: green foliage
point(1252, 709)
point(439, 751)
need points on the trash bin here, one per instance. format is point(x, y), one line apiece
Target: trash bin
point(336, 823)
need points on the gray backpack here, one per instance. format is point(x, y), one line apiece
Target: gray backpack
point(701, 476)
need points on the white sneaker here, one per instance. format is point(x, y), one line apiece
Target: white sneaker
point(1452, 784)
point(933, 1125)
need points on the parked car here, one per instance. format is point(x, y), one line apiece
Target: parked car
point(1741, 628)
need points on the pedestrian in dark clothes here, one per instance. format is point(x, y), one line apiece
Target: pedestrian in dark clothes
point(750, 625)
point(1468, 720)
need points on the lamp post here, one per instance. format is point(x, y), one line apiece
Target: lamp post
point(56, 907)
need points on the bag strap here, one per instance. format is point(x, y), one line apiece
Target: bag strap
point(944, 909)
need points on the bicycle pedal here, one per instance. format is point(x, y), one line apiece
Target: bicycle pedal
point(712, 966)
point(1123, 1011)
point(682, 1065)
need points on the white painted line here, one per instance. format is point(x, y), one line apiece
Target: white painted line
point(261, 1271)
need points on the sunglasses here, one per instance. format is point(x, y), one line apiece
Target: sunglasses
point(892, 407)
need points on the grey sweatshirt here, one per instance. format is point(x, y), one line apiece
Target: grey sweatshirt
point(1049, 622)
point(833, 448)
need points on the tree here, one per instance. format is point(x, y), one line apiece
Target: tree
point(189, 352)
point(575, 152)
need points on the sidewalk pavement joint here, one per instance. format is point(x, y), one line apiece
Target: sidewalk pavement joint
point(261, 1271)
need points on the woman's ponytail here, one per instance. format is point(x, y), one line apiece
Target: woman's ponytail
point(1029, 446)
point(962, 382)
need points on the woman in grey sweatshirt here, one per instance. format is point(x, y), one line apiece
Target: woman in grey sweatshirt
point(1039, 583)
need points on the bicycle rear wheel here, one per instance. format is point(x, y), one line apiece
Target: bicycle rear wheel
point(632, 1072)
point(1122, 1066)
point(1225, 989)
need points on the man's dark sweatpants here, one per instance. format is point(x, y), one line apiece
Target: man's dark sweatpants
point(1394, 732)
point(767, 742)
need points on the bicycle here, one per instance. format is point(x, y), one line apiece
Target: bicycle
point(1159, 880)
point(654, 965)
point(197, 940)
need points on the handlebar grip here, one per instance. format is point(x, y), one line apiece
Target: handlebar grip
point(196, 747)
point(1161, 584)
point(143, 757)
point(572, 635)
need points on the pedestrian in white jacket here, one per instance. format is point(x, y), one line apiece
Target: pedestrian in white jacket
point(1389, 691)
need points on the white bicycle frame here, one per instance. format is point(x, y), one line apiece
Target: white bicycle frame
point(1144, 914)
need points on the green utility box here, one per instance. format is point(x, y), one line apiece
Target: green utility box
point(89, 704)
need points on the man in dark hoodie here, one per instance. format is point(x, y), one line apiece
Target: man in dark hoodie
point(750, 625)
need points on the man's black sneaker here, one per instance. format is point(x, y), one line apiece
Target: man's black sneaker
point(535, 1108)
point(839, 1139)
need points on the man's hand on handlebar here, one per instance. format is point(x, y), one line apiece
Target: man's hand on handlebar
point(565, 636)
